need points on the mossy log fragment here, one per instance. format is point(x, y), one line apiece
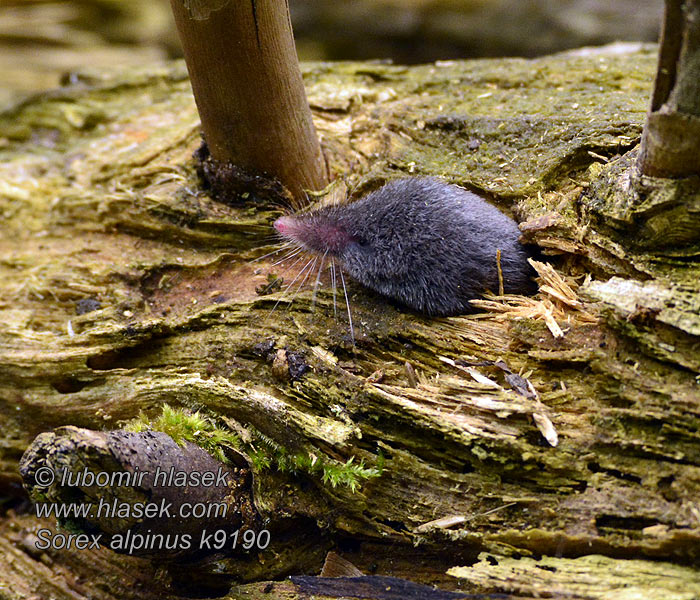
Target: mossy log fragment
point(142, 468)
point(103, 216)
point(579, 577)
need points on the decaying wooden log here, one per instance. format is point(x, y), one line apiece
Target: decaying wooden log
point(125, 288)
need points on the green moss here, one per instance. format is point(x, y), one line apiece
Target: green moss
point(184, 426)
point(269, 454)
point(264, 453)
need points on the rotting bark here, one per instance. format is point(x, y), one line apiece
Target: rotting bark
point(250, 95)
point(670, 145)
point(99, 200)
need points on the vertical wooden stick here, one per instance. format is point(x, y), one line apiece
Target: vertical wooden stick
point(671, 140)
point(249, 91)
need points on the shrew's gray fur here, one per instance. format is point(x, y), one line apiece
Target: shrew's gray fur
point(429, 245)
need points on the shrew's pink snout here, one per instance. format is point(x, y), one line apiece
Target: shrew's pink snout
point(284, 225)
point(316, 234)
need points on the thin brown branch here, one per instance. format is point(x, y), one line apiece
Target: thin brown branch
point(249, 91)
point(670, 146)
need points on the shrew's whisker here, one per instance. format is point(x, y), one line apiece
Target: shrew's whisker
point(318, 280)
point(347, 303)
point(301, 285)
point(278, 250)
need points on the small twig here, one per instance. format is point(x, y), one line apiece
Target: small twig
point(500, 273)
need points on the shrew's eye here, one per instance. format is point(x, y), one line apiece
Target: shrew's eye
point(359, 240)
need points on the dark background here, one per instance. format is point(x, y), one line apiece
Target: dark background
point(41, 40)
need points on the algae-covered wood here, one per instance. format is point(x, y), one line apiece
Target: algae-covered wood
point(104, 216)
